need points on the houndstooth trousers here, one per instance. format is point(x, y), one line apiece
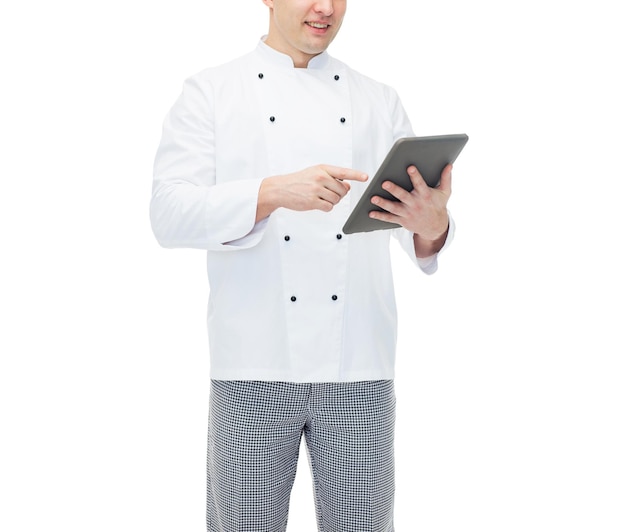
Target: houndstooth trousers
point(255, 429)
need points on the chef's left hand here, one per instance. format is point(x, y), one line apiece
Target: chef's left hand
point(423, 210)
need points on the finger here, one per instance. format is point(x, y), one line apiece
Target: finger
point(416, 178)
point(393, 207)
point(344, 173)
point(445, 184)
point(396, 191)
point(331, 196)
point(336, 187)
point(385, 217)
point(321, 205)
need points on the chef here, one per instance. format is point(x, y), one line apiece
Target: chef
point(260, 163)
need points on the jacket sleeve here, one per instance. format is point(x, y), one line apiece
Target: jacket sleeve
point(189, 209)
point(402, 128)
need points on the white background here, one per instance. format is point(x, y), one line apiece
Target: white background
point(511, 371)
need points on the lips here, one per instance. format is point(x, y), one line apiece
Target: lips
point(318, 25)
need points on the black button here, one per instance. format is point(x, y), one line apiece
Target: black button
point(339, 236)
point(336, 77)
point(287, 238)
point(334, 297)
point(342, 119)
point(272, 118)
point(293, 298)
point(260, 75)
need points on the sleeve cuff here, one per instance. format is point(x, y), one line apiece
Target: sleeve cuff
point(428, 265)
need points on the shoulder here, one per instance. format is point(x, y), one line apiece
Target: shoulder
point(222, 72)
point(203, 87)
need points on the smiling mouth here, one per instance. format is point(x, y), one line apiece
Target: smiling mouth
point(318, 25)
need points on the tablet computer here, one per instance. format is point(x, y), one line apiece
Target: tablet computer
point(429, 154)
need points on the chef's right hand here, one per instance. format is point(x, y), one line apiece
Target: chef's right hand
point(319, 187)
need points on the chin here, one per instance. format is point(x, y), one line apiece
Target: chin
point(317, 47)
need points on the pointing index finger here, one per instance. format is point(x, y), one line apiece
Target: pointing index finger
point(344, 173)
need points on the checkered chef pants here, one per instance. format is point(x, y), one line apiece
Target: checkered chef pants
point(254, 438)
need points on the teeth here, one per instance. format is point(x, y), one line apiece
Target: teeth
point(318, 25)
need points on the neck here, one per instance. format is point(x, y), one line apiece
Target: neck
point(300, 59)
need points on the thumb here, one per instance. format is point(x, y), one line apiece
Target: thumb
point(445, 185)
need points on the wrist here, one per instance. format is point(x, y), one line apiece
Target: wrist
point(426, 247)
point(268, 198)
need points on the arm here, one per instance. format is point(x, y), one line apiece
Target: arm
point(189, 208)
point(431, 234)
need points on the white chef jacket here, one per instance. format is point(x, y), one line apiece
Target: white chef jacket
point(291, 297)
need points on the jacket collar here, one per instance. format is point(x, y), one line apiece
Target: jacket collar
point(283, 60)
